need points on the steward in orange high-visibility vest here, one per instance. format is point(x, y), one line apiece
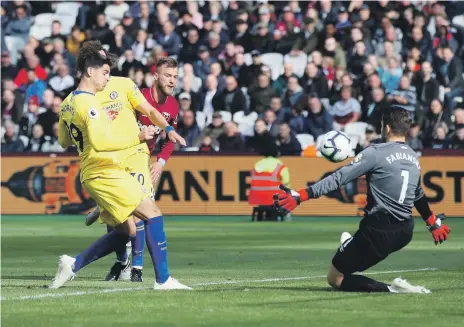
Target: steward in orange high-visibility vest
point(267, 175)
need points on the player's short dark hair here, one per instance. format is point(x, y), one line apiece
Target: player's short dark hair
point(166, 62)
point(90, 55)
point(398, 119)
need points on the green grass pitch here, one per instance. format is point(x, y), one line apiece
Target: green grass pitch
point(244, 274)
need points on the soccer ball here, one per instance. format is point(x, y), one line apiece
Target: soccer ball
point(335, 146)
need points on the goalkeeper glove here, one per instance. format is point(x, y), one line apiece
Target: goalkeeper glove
point(439, 231)
point(288, 201)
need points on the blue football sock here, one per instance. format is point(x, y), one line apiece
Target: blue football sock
point(157, 246)
point(106, 244)
point(138, 245)
point(121, 256)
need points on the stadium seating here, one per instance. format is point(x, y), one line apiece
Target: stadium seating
point(305, 140)
point(275, 62)
point(226, 116)
point(299, 63)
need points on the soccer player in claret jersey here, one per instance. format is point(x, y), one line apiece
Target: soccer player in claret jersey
point(160, 97)
point(393, 173)
point(102, 148)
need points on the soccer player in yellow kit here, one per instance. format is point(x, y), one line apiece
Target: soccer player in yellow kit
point(102, 148)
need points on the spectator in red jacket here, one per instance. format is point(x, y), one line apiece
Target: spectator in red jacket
point(32, 63)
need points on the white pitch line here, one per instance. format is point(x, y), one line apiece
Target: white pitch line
point(247, 281)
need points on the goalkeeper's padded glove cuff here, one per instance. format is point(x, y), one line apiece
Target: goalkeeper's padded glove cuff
point(433, 222)
point(304, 195)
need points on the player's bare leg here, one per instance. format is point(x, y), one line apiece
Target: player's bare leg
point(149, 212)
point(114, 241)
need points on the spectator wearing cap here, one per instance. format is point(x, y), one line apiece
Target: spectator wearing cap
point(308, 40)
point(263, 40)
point(169, 39)
point(8, 69)
point(231, 99)
point(202, 67)
point(130, 25)
point(366, 18)
point(281, 82)
point(412, 139)
point(264, 21)
point(231, 140)
point(405, 96)
point(433, 118)
point(287, 142)
point(190, 47)
point(214, 45)
point(348, 109)
point(10, 141)
point(101, 29)
point(427, 86)
point(292, 93)
point(449, 74)
point(184, 25)
point(287, 32)
point(188, 128)
point(185, 102)
point(248, 75)
point(213, 130)
point(318, 121)
point(343, 24)
point(314, 81)
point(261, 94)
point(375, 108)
point(29, 118)
point(74, 40)
point(210, 96)
point(242, 36)
point(63, 82)
point(115, 12)
point(51, 144)
point(51, 116)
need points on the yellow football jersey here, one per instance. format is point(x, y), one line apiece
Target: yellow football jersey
point(119, 99)
point(84, 124)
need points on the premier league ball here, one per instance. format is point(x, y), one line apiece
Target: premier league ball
point(335, 146)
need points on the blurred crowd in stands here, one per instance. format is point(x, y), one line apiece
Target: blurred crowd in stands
point(250, 72)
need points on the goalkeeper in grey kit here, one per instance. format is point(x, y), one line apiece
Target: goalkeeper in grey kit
point(392, 172)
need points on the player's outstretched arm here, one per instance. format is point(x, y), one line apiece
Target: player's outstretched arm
point(158, 120)
point(360, 165)
point(434, 223)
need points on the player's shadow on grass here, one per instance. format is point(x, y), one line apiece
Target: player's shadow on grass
point(93, 279)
